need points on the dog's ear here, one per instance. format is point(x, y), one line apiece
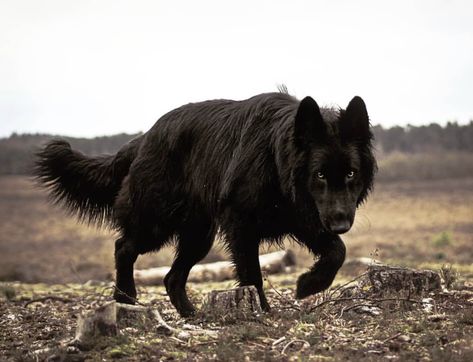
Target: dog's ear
point(354, 122)
point(309, 123)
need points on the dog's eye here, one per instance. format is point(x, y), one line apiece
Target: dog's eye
point(320, 175)
point(351, 174)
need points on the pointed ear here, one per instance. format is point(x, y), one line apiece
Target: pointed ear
point(354, 122)
point(309, 124)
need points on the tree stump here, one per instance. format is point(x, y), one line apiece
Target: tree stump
point(129, 315)
point(96, 323)
point(242, 301)
point(383, 280)
point(107, 319)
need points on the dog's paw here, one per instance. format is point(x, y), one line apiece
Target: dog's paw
point(311, 283)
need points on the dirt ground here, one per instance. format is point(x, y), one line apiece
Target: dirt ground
point(38, 320)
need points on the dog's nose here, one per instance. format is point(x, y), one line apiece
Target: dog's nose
point(340, 227)
point(339, 222)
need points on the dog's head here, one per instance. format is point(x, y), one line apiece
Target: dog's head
point(339, 164)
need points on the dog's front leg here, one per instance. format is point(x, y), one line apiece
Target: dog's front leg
point(331, 252)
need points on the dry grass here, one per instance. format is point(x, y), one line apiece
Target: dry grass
point(407, 222)
point(437, 165)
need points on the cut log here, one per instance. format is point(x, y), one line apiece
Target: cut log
point(405, 282)
point(243, 300)
point(272, 263)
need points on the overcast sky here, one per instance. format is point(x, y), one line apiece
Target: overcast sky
point(88, 68)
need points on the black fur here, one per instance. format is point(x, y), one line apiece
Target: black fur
point(87, 186)
point(253, 171)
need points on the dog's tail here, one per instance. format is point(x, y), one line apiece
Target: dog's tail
point(87, 186)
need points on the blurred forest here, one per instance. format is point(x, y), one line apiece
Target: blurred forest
point(17, 151)
point(431, 138)
point(404, 153)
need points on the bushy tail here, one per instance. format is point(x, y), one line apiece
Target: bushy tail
point(87, 186)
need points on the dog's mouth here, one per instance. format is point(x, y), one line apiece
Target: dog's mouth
point(338, 227)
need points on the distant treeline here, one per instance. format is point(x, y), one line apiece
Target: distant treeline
point(16, 151)
point(431, 138)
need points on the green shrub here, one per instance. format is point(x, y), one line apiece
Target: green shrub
point(442, 240)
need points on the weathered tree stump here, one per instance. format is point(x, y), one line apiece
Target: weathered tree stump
point(243, 300)
point(383, 280)
point(129, 315)
point(107, 319)
point(95, 323)
point(271, 263)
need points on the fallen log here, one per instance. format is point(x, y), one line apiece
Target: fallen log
point(272, 263)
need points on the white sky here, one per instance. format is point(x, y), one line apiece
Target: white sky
point(87, 68)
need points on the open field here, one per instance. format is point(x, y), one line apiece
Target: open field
point(413, 223)
point(420, 224)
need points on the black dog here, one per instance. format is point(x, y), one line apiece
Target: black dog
point(253, 171)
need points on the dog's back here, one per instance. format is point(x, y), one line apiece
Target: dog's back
point(187, 163)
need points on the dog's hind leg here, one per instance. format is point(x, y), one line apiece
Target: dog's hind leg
point(127, 249)
point(139, 236)
point(125, 256)
point(245, 255)
point(331, 251)
point(193, 245)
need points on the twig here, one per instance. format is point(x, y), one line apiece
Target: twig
point(282, 298)
point(278, 341)
point(177, 340)
point(297, 309)
point(161, 321)
point(364, 298)
point(392, 337)
point(332, 292)
point(257, 344)
point(104, 290)
point(136, 301)
point(272, 287)
point(75, 273)
point(49, 297)
point(203, 343)
point(291, 342)
point(346, 309)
